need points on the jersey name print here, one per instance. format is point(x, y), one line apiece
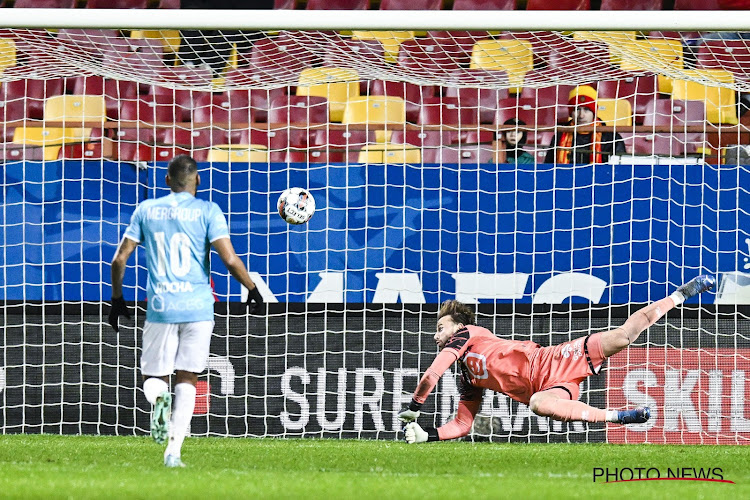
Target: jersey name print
point(177, 231)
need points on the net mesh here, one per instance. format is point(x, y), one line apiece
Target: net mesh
point(388, 130)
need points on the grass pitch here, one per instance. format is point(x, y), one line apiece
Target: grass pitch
point(34, 466)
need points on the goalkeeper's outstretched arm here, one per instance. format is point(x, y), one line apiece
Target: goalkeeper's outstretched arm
point(456, 428)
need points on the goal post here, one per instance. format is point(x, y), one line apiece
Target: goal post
point(397, 123)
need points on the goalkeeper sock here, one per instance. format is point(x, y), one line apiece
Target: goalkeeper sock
point(184, 405)
point(153, 387)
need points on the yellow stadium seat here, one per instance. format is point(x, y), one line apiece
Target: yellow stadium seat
point(391, 41)
point(69, 108)
point(251, 153)
point(389, 153)
point(613, 39)
point(375, 109)
point(653, 55)
point(615, 112)
point(170, 39)
point(338, 85)
point(721, 104)
point(50, 138)
point(516, 57)
point(7, 54)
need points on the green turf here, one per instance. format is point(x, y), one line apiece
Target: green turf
point(33, 466)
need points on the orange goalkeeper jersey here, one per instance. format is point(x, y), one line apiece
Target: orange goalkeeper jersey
point(487, 362)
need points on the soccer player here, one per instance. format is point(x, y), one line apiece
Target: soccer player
point(544, 378)
point(177, 231)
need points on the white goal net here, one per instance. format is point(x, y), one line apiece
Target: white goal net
point(444, 164)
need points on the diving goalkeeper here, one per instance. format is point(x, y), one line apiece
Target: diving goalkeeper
point(545, 378)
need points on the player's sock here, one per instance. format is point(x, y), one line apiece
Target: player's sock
point(153, 387)
point(184, 405)
point(571, 411)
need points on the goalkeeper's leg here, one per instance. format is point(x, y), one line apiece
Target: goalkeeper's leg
point(618, 339)
point(556, 404)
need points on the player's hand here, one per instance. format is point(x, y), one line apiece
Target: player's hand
point(408, 415)
point(413, 433)
point(254, 301)
point(119, 308)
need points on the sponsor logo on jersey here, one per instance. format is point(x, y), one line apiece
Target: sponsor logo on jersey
point(173, 287)
point(174, 213)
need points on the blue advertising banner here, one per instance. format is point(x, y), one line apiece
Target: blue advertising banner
point(397, 233)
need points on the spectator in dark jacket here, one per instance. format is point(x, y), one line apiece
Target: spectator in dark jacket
point(514, 140)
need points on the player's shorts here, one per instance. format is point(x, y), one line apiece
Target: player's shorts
point(175, 346)
point(566, 365)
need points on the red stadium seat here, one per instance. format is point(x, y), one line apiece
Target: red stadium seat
point(116, 4)
point(675, 112)
point(351, 53)
point(340, 145)
point(583, 58)
point(25, 98)
point(457, 43)
point(224, 110)
point(557, 94)
point(697, 5)
point(482, 100)
point(279, 59)
point(731, 55)
point(143, 115)
point(113, 91)
point(295, 112)
point(276, 141)
point(653, 144)
point(412, 94)
point(429, 56)
point(558, 5)
point(45, 4)
point(411, 4)
point(484, 4)
point(196, 141)
point(446, 111)
point(90, 150)
point(466, 154)
point(631, 5)
point(338, 4)
point(532, 111)
point(430, 141)
point(639, 91)
point(260, 99)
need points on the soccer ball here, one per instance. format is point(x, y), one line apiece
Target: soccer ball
point(296, 205)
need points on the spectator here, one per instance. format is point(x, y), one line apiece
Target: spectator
point(589, 146)
point(514, 140)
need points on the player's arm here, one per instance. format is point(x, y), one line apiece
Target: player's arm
point(119, 262)
point(236, 267)
point(456, 428)
point(427, 383)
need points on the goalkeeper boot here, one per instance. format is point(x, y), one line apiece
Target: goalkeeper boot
point(173, 461)
point(697, 285)
point(160, 418)
point(635, 416)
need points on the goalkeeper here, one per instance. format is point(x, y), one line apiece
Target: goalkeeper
point(545, 378)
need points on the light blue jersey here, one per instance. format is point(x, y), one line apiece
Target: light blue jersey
point(177, 231)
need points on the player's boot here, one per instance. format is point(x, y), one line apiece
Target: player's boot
point(635, 416)
point(160, 418)
point(173, 461)
point(697, 285)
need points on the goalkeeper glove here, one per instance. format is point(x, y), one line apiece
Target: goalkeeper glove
point(119, 308)
point(408, 415)
point(253, 295)
point(413, 433)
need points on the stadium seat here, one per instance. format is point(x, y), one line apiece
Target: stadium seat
point(558, 5)
point(446, 111)
point(147, 64)
point(169, 39)
point(484, 4)
point(260, 99)
point(113, 91)
point(196, 141)
point(185, 100)
point(558, 94)
point(340, 145)
point(391, 41)
point(720, 101)
point(7, 54)
point(730, 55)
point(631, 5)
point(411, 4)
point(338, 4)
point(45, 4)
point(295, 113)
point(651, 55)
point(515, 57)
point(99, 41)
point(639, 90)
point(375, 110)
point(389, 153)
point(223, 110)
point(347, 53)
point(275, 140)
point(614, 112)
point(90, 149)
point(697, 5)
point(466, 154)
point(116, 4)
point(653, 144)
point(457, 43)
point(338, 85)
point(140, 118)
point(482, 100)
point(580, 58)
point(51, 139)
point(429, 141)
point(531, 111)
point(277, 59)
point(411, 93)
point(75, 108)
point(28, 96)
point(428, 56)
point(675, 112)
